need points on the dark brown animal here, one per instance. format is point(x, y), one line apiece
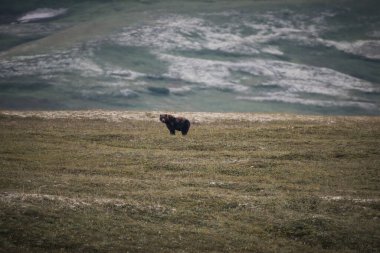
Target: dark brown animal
point(175, 123)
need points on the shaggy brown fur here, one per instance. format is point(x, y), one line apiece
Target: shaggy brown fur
point(173, 123)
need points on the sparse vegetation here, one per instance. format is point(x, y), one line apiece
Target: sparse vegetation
point(82, 185)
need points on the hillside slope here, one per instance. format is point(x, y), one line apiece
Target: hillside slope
point(112, 183)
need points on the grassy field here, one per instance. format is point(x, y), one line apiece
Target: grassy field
point(91, 185)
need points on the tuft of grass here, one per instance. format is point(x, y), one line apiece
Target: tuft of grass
point(82, 185)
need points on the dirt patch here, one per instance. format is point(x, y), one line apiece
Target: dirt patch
point(348, 198)
point(70, 202)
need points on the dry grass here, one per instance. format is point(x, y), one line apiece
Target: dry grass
point(117, 184)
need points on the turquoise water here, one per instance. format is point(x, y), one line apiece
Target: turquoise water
point(313, 57)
